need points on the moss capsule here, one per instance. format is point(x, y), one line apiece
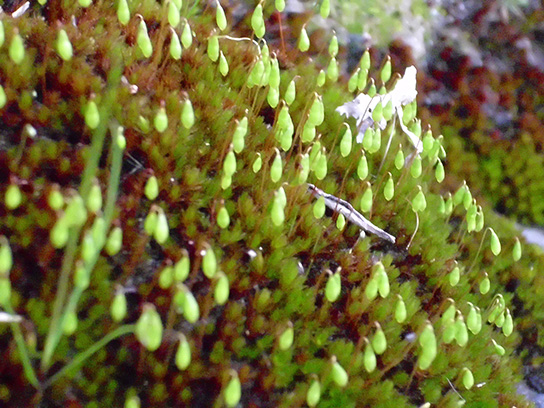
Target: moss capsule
point(222, 289)
point(400, 310)
point(333, 288)
point(366, 199)
point(209, 263)
point(369, 357)
point(6, 257)
point(148, 328)
point(339, 374)
point(303, 40)
point(13, 197)
point(257, 163)
point(313, 394)
point(280, 5)
point(276, 168)
point(257, 21)
point(223, 218)
point(92, 117)
point(166, 277)
point(114, 241)
point(454, 276)
point(319, 208)
point(468, 378)
point(389, 188)
point(508, 325)
point(290, 92)
point(233, 390)
point(186, 35)
point(161, 232)
point(17, 49)
point(220, 17)
point(428, 351)
point(182, 268)
point(123, 12)
point(346, 141)
point(183, 354)
point(64, 46)
point(419, 203)
point(187, 115)
point(143, 40)
point(175, 45)
point(416, 168)
point(286, 338)
point(379, 342)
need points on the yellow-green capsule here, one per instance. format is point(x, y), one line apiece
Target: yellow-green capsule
point(286, 338)
point(313, 394)
point(148, 328)
point(385, 73)
point(114, 241)
point(209, 263)
point(332, 70)
point(372, 88)
point(221, 290)
point(64, 46)
point(333, 288)
point(277, 214)
point(162, 231)
point(339, 374)
point(346, 141)
point(321, 166)
point(220, 17)
point(223, 64)
point(160, 121)
point(365, 60)
point(257, 21)
point(468, 378)
point(151, 188)
point(187, 115)
point(340, 222)
point(399, 159)
point(17, 49)
point(362, 167)
point(304, 169)
point(280, 5)
point(59, 233)
point(366, 199)
point(321, 77)
point(319, 208)
point(223, 218)
point(273, 97)
point(123, 12)
point(400, 310)
point(76, 213)
point(182, 268)
point(485, 285)
point(454, 276)
point(303, 40)
point(383, 282)
point(369, 357)
point(150, 222)
point(508, 325)
point(2, 33)
point(143, 40)
point(439, 171)
point(427, 341)
point(368, 140)
point(238, 138)
point(516, 251)
point(461, 332)
point(3, 98)
point(233, 391)
point(498, 348)
point(81, 276)
point(419, 203)
point(94, 200)
point(13, 197)
point(474, 324)
point(276, 168)
point(325, 8)
point(191, 310)
point(84, 3)
point(175, 46)
point(183, 354)
point(352, 82)
point(186, 36)
point(92, 117)
point(290, 92)
point(317, 111)
point(213, 48)
point(379, 342)
point(362, 79)
point(166, 277)
point(479, 219)
point(495, 243)
point(257, 163)
point(6, 258)
point(389, 189)
point(333, 46)
point(416, 168)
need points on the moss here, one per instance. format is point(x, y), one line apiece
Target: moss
point(277, 272)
